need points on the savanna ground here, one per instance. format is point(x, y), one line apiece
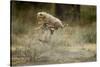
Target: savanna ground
point(70, 44)
point(76, 42)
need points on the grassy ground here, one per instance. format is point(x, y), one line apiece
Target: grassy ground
point(68, 45)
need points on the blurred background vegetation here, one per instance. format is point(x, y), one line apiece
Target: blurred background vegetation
point(79, 37)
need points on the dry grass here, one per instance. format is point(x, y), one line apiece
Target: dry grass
point(70, 44)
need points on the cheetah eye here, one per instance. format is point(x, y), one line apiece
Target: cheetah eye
point(41, 14)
